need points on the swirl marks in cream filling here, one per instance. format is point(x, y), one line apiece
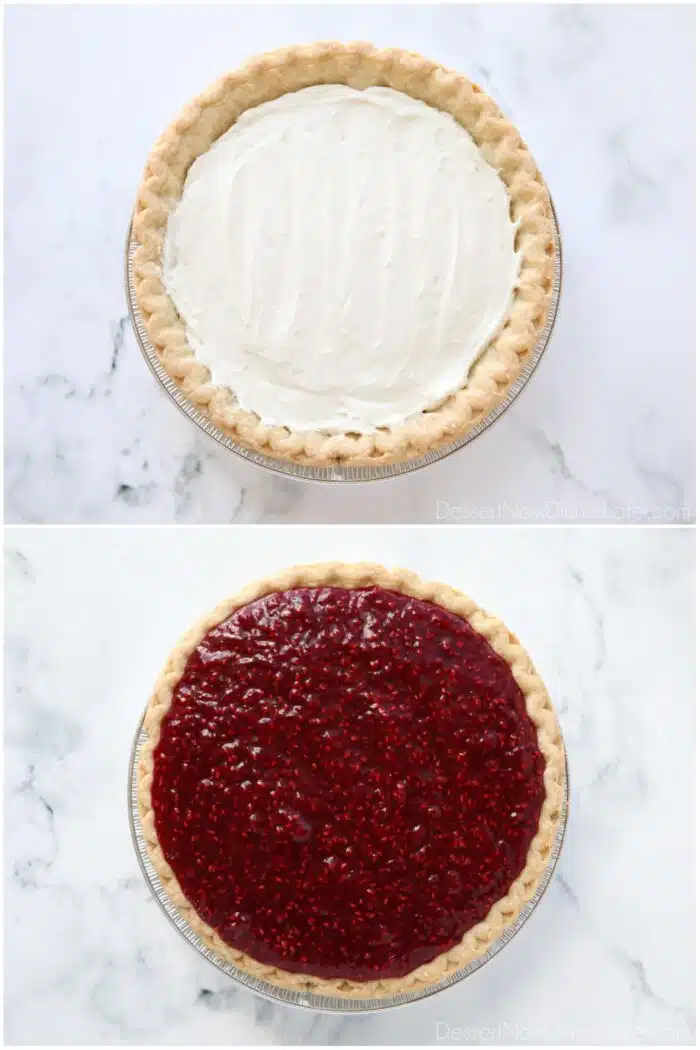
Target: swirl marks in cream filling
point(340, 258)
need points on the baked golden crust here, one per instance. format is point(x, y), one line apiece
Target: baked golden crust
point(359, 65)
point(538, 705)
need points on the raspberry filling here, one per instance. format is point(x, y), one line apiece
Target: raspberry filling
point(346, 781)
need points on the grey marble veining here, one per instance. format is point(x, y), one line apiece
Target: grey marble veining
point(603, 432)
point(607, 957)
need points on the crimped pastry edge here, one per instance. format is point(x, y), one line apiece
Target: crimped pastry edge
point(539, 708)
point(360, 65)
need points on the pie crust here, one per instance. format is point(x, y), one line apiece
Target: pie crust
point(504, 912)
point(358, 65)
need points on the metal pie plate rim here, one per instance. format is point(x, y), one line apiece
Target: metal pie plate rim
point(336, 473)
point(308, 1000)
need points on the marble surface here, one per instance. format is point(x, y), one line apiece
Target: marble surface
point(604, 431)
point(608, 956)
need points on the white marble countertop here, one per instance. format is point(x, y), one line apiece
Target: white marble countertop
point(604, 96)
point(607, 957)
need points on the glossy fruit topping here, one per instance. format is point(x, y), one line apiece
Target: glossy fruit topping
point(346, 781)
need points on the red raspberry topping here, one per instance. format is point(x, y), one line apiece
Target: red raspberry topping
point(346, 781)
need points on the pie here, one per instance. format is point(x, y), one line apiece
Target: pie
point(344, 255)
point(351, 780)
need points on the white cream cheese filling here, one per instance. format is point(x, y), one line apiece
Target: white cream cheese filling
point(340, 258)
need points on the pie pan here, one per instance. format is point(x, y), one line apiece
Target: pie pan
point(307, 1000)
point(336, 473)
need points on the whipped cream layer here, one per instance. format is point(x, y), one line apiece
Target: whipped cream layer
point(340, 258)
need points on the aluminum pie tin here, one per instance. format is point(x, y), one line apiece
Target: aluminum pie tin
point(336, 473)
point(306, 1000)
